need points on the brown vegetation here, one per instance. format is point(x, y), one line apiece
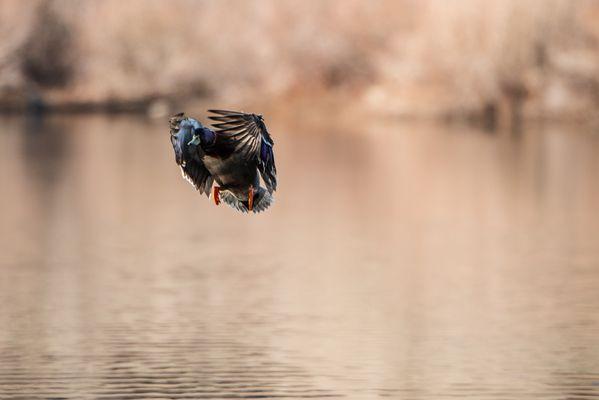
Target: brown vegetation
point(497, 61)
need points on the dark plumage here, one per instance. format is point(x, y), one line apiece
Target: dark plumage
point(235, 154)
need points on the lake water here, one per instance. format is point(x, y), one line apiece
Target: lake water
point(402, 261)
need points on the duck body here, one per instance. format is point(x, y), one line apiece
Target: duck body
point(235, 155)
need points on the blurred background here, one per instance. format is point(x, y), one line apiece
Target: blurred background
point(494, 62)
point(434, 234)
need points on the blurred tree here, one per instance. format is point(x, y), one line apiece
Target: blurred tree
point(46, 56)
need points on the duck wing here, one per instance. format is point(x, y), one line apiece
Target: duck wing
point(247, 134)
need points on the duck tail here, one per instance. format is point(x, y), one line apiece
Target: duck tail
point(263, 199)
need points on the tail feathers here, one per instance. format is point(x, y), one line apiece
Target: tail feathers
point(262, 200)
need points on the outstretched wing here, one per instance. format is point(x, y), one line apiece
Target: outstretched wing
point(187, 155)
point(247, 134)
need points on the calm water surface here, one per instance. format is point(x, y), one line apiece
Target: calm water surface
point(399, 261)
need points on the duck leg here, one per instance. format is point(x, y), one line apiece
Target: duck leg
point(251, 198)
point(216, 195)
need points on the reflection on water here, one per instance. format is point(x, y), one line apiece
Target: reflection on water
point(406, 261)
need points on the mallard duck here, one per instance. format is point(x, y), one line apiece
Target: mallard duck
point(234, 154)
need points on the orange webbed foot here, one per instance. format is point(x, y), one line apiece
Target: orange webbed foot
point(216, 195)
point(251, 198)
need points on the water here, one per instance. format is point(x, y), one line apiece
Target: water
point(404, 261)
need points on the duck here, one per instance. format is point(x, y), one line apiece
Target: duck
point(229, 160)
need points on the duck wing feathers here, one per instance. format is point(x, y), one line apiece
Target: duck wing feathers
point(247, 135)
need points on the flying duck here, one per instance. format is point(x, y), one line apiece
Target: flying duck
point(235, 153)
